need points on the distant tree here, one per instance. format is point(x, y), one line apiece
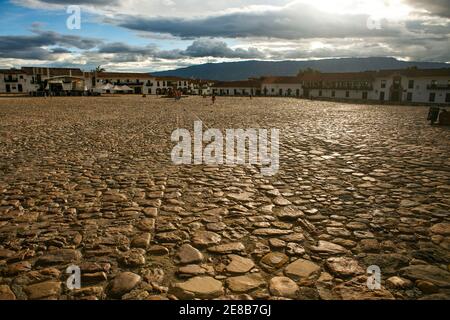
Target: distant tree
point(99, 69)
point(412, 68)
point(307, 71)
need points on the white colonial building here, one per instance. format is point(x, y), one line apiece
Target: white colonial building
point(14, 81)
point(413, 85)
point(409, 86)
point(123, 82)
point(36, 79)
point(237, 88)
point(281, 86)
point(422, 86)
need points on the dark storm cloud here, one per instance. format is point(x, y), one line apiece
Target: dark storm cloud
point(198, 49)
point(219, 49)
point(291, 22)
point(435, 7)
point(32, 46)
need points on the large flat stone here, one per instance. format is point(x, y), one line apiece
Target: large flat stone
point(201, 287)
point(302, 269)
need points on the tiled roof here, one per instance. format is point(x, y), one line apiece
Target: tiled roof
point(344, 76)
point(280, 80)
point(444, 72)
point(54, 72)
point(371, 75)
point(11, 71)
point(238, 84)
point(112, 75)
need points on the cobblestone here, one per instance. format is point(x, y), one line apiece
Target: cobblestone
point(90, 182)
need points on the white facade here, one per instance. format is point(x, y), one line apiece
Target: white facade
point(402, 86)
point(15, 82)
point(234, 91)
point(281, 87)
point(425, 86)
point(140, 83)
point(341, 94)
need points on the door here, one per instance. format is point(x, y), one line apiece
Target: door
point(432, 97)
point(396, 90)
point(409, 97)
point(382, 96)
point(8, 88)
point(19, 87)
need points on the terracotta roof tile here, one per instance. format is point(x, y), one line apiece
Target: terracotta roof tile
point(132, 75)
point(238, 84)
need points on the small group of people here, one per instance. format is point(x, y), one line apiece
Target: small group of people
point(441, 116)
point(213, 97)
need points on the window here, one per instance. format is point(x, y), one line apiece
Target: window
point(157, 83)
point(432, 97)
point(364, 95)
point(273, 90)
point(433, 82)
point(409, 96)
point(347, 94)
point(447, 97)
point(383, 84)
point(411, 84)
point(333, 93)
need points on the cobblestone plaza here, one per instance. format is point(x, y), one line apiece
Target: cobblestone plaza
point(89, 182)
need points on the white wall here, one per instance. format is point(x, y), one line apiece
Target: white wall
point(273, 89)
point(231, 91)
point(420, 92)
point(145, 89)
point(339, 94)
point(23, 79)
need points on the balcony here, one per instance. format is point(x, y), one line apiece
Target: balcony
point(438, 87)
point(10, 80)
point(337, 87)
point(131, 83)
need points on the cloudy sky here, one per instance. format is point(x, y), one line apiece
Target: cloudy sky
point(150, 35)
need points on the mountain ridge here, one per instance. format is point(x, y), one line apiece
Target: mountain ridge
point(241, 70)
